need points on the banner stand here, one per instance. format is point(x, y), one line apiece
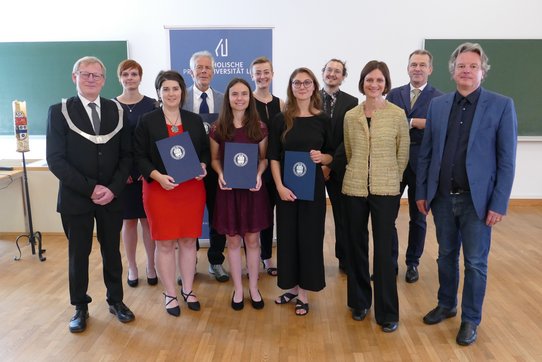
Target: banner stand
point(33, 237)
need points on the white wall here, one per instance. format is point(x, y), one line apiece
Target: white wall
point(306, 33)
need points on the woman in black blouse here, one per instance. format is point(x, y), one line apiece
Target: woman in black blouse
point(300, 224)
point(268, 107)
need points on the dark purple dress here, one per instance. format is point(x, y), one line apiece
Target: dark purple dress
point(131, 195)
point(240, 211)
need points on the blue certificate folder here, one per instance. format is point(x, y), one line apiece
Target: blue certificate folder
point(240, 165)
point(299, 174)
point(179, 157)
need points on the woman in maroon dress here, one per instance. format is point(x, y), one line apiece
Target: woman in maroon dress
point(241, 214)
point(174, 211)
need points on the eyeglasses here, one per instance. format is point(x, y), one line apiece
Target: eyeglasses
point(307, 83)
point(88, 75)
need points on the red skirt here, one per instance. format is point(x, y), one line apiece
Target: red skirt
point(177, 213)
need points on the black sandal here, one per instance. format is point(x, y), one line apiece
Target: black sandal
point(273, 271)
point(285, 298)
point(191, 305)
point(300, 306)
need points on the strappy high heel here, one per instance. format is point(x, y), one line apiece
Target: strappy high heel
point(174, 311)
point(191, 305)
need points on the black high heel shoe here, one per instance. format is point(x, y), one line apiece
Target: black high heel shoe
point(174, 311)
point(256, 304)
point(191, 305)
point(237, 305)
point(152, 281)
point(132, 283)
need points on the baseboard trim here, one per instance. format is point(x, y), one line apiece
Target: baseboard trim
point(513, 202)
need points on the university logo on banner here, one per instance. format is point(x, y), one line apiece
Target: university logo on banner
point(232, 49)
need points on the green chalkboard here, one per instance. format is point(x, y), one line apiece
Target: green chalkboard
point(516, 71)
point(40, 74)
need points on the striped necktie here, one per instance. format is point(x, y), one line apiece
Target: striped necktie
point(415, 94)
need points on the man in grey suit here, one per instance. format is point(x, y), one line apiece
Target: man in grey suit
point(202, 99)
point(465, 174)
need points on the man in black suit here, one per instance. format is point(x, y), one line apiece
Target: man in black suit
point(414, 98)
point(336, 104)
point(89, 151)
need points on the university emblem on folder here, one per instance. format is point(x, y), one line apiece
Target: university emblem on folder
point(177, 152)
point(240, 159)
point(300, 169)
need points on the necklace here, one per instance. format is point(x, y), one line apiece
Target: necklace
point(129, 98)
point(173, 125)
point(130, 109)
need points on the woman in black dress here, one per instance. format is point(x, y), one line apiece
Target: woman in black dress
point(300, 224)
point(268, 107)
point(135, 105)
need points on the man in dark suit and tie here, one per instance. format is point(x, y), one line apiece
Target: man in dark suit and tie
point(336, 104)
point(89, 151)
point(414, 98)
point(202, 99)
point(465, 174)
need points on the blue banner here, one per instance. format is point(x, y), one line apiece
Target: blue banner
point(232, 49)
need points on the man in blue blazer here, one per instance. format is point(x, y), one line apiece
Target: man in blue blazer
point(202, 99)
point(465, 173)
point(414, 99)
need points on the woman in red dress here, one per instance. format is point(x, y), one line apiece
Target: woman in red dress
point(174, 211)
point(241, 214)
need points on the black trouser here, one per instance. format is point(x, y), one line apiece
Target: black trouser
point(417, 225)
point(334, 186)
point(79, 231)
point(382, 210)
point(266, 235)
point(300, 240)
point(217, 242)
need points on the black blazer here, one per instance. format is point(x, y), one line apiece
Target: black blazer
point(343, 104)
point(79, 164)
point(152, 127)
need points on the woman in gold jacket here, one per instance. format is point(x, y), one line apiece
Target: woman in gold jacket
point(376, 143)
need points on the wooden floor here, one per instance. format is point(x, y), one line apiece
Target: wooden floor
point(34, 312)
